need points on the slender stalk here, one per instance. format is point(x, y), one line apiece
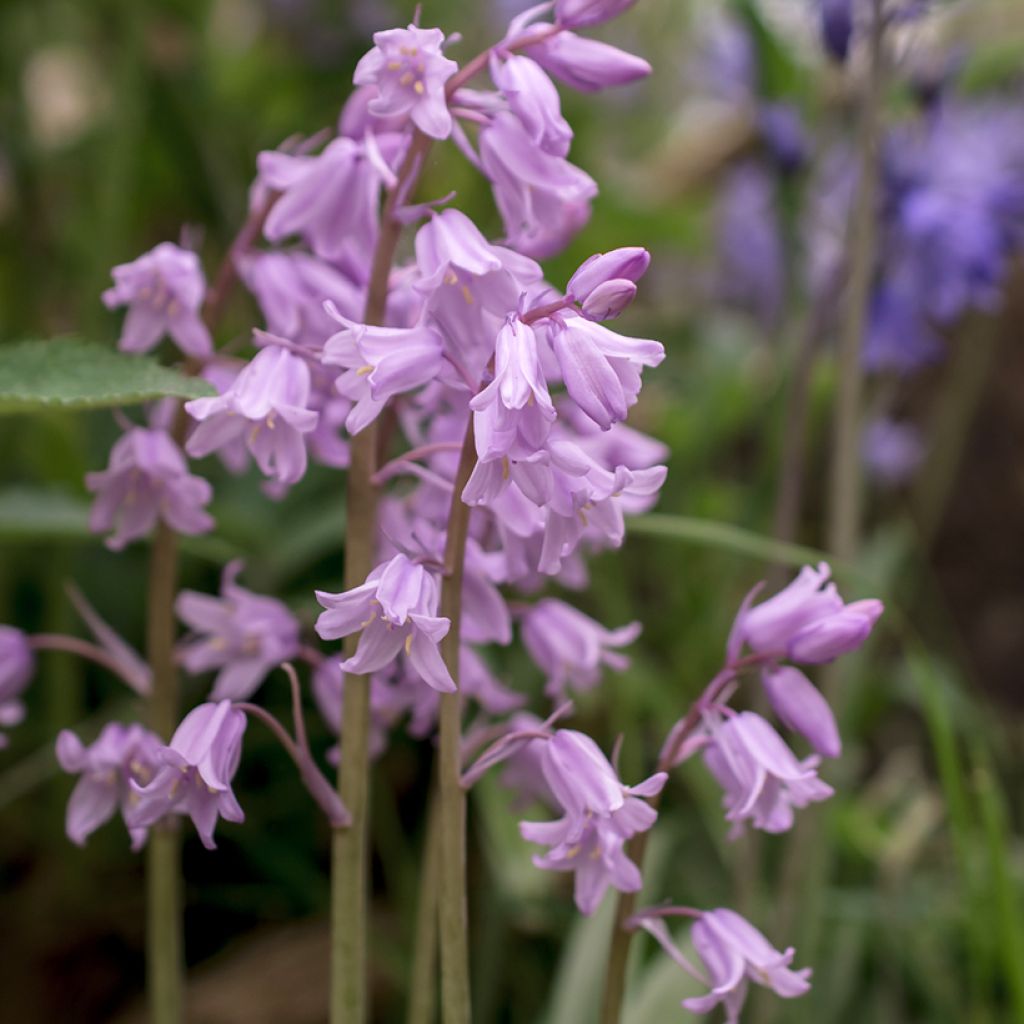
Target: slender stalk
point(82, 649)
point(350, 847)
point(453, 921)
point(165, 966)
point(423, 980)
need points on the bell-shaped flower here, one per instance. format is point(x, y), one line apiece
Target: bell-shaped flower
point(195, 773)
point(379, 363)
point(514, 413)
point(601, 368)
point(330, 200)
point(267, 405)
point(17, 666)
point(120, 756)
point(394, 610)
point(291, 288)
point(543, 200)
point(409, 70)
point(587, 786)
point(596, 856)
point(584, 64)
point(572, 648)
point(735, 953)
point(146, 480)
point(533, 98)
point(762, 778)
point(807, 621)
point(243, 634)
point(581, 13)
point(801, 707)
point(163, 290)
point(836, 26)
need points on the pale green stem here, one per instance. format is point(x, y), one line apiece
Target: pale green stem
point(423, 979)
point(164, 942)
point(453, 918)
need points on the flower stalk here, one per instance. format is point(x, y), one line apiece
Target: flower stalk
point(453, 921)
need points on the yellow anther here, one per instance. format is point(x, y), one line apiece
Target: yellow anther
point(573, 851)
point(394, 65)
point(467, 295)
point(408, 644)
point(506, 470)
point(364, 370)
point(418, 89)
point(406, 78)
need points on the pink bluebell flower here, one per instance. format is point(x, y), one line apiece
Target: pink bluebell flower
point(734, 953)
point(762, 778)
point(572, 648)
point(601, 368)
point(267, 406)
point(163, 290)
point(120, 756)
point(533, 98)
point(146, 480)
point(244, 635)
point(330, 200)
point(543, 199)
point(409, 70)
point(17, 666)
point(379, 363)
point(394, 610)
point(596, 857)
point(195, 773)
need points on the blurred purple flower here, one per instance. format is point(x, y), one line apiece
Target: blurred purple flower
point(17, 666)
point(892, 451)
point(147, 479)
point(243, 634)
point(120, 756)
point(164, 291)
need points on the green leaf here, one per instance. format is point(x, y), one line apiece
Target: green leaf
point(725, 536)
point(67, 373)
point(42, 514)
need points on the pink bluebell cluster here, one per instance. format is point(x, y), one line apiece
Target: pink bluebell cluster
point(493, 387)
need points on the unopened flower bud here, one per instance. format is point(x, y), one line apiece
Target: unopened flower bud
point(837, 27)
point(608, 300)
point(581, 13)
point(627, 264)
point(801, 706)
point(837, 634)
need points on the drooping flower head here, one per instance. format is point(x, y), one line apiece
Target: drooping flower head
point(395, 610)
point(243, 634)
point(267, 406)
point(120, 756)
point(163, 290)
point(761, 777)
point(571, 647)
point(195, 773)
point(146, 480)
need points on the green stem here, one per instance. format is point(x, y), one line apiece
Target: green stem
point(453, 920)
point(349, 846)
point(164, 942)
point(422, 982)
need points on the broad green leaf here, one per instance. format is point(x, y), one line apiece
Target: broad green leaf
point(46, 514)
point(67, 373)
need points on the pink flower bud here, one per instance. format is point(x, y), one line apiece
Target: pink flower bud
point(629, 263)
point(608, 300)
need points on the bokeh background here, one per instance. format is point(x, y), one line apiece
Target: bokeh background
point(123, 124)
